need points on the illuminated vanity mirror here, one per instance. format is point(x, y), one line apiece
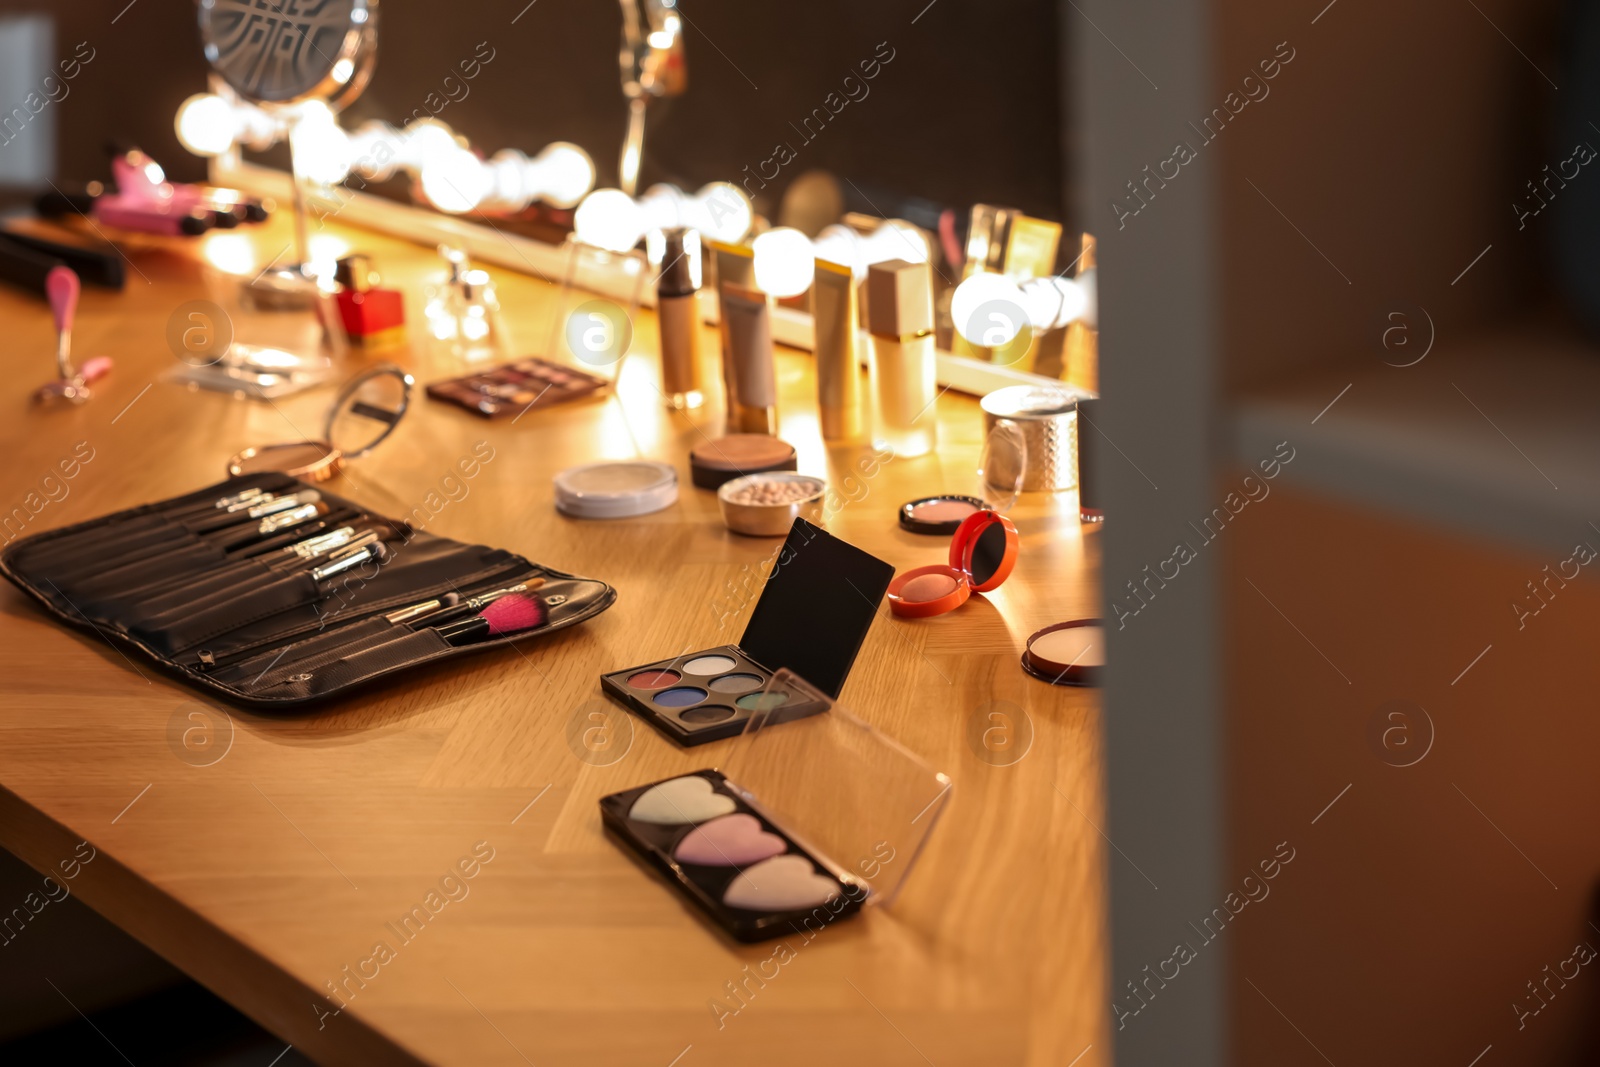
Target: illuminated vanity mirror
point(488, 129)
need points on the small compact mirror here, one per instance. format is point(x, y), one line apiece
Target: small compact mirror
point(366, 412)
point(1002, 464)
point(368, 409)
point(988, 554)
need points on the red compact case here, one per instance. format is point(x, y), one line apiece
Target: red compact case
point(982, 554)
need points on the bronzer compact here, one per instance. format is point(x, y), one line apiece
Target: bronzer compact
point(798, 828)
point(813, 614)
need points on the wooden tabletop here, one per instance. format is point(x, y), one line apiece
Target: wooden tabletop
point(265, 855)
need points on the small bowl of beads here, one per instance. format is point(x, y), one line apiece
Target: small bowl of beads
point(766, 505)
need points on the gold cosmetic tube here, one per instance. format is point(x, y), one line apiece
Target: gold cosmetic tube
point(833, 316)
point(746, 318)
point(904, 369)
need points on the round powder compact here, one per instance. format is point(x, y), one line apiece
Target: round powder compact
point(616, 490)
point(713, 462)
point(938, 514)
point(1068, 653)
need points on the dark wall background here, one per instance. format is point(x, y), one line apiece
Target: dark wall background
point(968, 110)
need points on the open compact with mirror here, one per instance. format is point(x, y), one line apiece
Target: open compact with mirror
point(813, 614)
point(983, 542)
point(809, 819)
point(366, 411)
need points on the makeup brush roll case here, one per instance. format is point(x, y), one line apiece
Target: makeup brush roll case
point(284, 601)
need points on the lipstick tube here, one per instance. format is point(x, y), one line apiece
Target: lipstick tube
point(903, 369)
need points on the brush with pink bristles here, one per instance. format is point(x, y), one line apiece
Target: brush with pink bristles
point(508, 615)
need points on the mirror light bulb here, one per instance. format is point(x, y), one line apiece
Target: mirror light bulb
point(321, 150)
point(1089, 283)
point(840, 244)
point(896, 239)
point(784, 263)
point(455, 182)
point(988, 310)
point(1053, 302)
point(206, 125)
point(665, 206)
point(566, 173)
point(722, 212)
point(609, 219)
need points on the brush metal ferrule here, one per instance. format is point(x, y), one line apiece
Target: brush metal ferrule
point(285, 519)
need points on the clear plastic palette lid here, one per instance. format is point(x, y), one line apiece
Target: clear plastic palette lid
point(852, 796)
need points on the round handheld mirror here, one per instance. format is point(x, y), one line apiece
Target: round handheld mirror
point(367, 410)
point(285, 51)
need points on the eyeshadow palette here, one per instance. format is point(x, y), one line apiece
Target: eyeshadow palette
point(704, 696)
point(513, 388)
point(738, 866)
point(796, 827)
point(813, 615)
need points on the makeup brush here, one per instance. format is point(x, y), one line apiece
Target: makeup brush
point(508, 615)
point(427, 607)
point(463, 608)
point(248, 510)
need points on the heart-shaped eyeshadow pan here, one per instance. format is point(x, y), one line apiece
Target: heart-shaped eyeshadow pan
point(731, 841)
point(783, 883)
point(680, 800)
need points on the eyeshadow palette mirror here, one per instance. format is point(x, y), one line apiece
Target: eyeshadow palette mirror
point(813, 615)
point(803, 826)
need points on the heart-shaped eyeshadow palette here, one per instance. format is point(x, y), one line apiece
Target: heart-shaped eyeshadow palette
point(731, 841)
point(680, 800)
point(783, 883)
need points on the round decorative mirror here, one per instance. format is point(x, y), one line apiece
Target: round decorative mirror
point(286, 51)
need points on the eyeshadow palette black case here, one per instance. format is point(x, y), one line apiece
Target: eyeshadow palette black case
point(705, 885)
point(807, 819)
point(813, 614)
point(193, 592)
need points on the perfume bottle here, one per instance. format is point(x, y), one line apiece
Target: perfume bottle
point(463, 311)
point(678, 315)
point(903, 370)
point(373, 317)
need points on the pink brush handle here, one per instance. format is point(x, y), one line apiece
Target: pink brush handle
point(62, 286)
